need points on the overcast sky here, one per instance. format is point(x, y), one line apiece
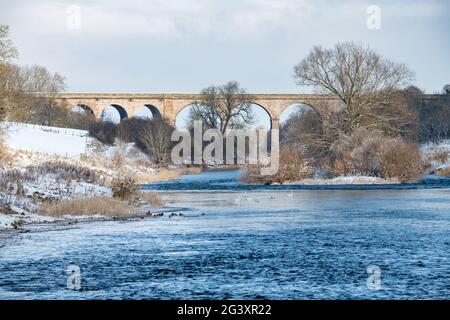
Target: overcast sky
point(185, 45)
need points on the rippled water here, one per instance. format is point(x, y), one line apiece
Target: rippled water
point(246, 243)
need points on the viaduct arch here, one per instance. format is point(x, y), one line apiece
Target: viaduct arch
point(168, 105)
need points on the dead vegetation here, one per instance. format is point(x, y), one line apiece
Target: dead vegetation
point(441, 156)
point(161, 175)
point(443, 172)
point(5, 155)
point(152, 198)
point(104, 206)
point(124, 187)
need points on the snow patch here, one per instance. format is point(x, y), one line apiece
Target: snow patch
point(437, 154)
point(48, 140)
point(346, 180)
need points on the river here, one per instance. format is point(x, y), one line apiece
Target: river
point(233, 241)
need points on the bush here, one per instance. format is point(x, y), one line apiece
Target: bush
point(293, 166)
point(105, 132)
point(441, 156)
point(124, 187)
point(402, 161)
point(130, 129)
point(154, 140)
point(118, 158)
point(443, 172)
point(374, 154)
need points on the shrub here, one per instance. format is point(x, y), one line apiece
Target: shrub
point(130, 129)
point(105, 132)
point(154, 139)
point(118, 158)
point(403, 161)
point(124, 187)
point(293, 166)
point(441, 156)
point(377, 155)
point(443, 172)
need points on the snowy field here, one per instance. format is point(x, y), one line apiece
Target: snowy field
point(47, 140)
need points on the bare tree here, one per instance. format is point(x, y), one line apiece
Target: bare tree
point(365, 82)
point(7, 53)
point(154, 138)
point(28, 93)
point(222, 107)
point(42, 87)
point(303, 125)
point(7, 49)
point(433, 116)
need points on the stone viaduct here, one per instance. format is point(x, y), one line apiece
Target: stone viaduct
point(169, 105)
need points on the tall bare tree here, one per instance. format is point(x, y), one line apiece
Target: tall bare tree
point(7, 53)
point(154, 138)
point(223, 107)
point(42, 87)
point(365, 82)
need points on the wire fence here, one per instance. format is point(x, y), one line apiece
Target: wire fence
point(56, 130)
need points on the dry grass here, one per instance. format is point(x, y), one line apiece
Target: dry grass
point(160, 176)
point(5, 155)
point(88, 207)
point(443, 172)
point(152, 198)
point(191, 170)
point(118, 159)
point(441, 156)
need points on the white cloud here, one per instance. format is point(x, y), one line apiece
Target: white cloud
point(172, 44)
point(235, 18)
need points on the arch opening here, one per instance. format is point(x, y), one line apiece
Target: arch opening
point(261, 118)
point(183, 118)
point(83, 109)
point(299, 122)
point(114, 113)
point(147, 111)
point(295, 109)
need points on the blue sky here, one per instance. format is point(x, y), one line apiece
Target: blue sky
point(185, 45)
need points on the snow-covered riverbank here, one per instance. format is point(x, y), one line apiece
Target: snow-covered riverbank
point(347, 180)
point(45, 165)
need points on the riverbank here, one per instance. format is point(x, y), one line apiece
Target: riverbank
point(44, 167)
